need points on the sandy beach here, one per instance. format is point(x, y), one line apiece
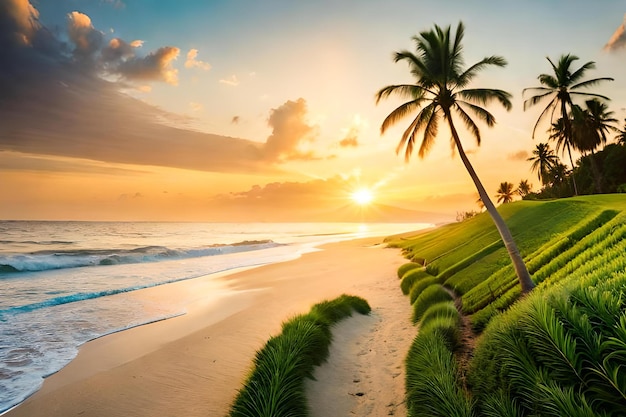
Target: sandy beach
point(194, 364)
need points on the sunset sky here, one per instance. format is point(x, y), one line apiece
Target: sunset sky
point(241, 110)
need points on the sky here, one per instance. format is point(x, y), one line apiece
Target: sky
point(242, 110)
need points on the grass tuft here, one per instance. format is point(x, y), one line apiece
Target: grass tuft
point(275, 386)
point(432, 294)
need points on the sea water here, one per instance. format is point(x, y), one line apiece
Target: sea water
point(65, 283)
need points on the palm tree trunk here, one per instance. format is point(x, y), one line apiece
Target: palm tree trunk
point(569, 151)
point(523, 276)
point(596, 172)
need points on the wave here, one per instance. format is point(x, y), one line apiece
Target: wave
point(62, 259)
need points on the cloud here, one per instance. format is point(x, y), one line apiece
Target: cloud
point(54, 106)
point(87, 40)
point(518, 156)
point(19, 22)
point(156, 66)
point(289, 131)
point(618, 40)
point(231, 81)
point(192, 62)
point(351, 139)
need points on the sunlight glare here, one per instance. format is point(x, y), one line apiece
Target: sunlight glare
point(362, 196)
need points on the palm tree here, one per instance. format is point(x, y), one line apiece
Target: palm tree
point(560, 87)
point(543, 159)
point(590, 128)
point(505, 192)
point(438, 92)
point(524, 188)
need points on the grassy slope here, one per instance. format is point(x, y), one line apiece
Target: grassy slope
point(569, 245)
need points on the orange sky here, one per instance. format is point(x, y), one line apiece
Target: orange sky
point(201, 112)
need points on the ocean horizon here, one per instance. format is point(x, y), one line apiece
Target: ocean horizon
point(65, 283)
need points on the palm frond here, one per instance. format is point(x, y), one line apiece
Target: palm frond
point(408, 137)
point(403, 90)
point(469, 123)
point(469, 73)
point(485, 95)
point(551, 105)
point(590, 83)
point(400, 113)
point(430, 134)
point(483, 114)
point(580, 72)
point(536, 99)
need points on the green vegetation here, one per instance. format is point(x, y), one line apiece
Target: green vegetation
point(406, 268)
point(275, 386)
point(559, 351)
point(432, 294)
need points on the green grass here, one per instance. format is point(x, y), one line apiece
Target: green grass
point(275, 386)
point(432, 294)
point(560, 351)
point(407, 267)
point(432, 380)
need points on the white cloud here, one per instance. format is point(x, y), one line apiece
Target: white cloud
point(192, 62)
point(231, 81)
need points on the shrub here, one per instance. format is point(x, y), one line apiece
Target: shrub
point(433, 294)
point(275, 386)
point(411, 277)
point(419, 286)
point(403, 269)
point(432, 387)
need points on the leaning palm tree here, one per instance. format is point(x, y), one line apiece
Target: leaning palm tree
point(524, 188)
point(543, 159)
point(560, 87)
point(505, 192)
point(440, 89)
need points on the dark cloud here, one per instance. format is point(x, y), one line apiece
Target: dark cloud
point(289, 130)
point(87, 40)
point(52, 103)
point(518, 156)
point(156, 66)
point(618, 40)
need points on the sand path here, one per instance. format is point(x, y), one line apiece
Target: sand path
point(364, 375)
point(193, 365)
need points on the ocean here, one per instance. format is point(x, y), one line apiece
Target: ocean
point(65, 283)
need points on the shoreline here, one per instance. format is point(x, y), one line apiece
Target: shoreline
point(249, 309)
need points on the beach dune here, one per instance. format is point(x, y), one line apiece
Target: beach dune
point(193, 365)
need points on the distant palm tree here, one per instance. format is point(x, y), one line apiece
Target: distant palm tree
point(524, 188)
point(505, 192)
point(558, 174)
point(480, 203)
point(440, 89)
point(560, 87)
point(543, 160)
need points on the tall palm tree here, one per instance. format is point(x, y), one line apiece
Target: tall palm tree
point(524, 188)
point(505, 192)
point(560, 87)
point(543, 159)
point(440, 89)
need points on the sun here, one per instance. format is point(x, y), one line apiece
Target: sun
point(362, 196)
